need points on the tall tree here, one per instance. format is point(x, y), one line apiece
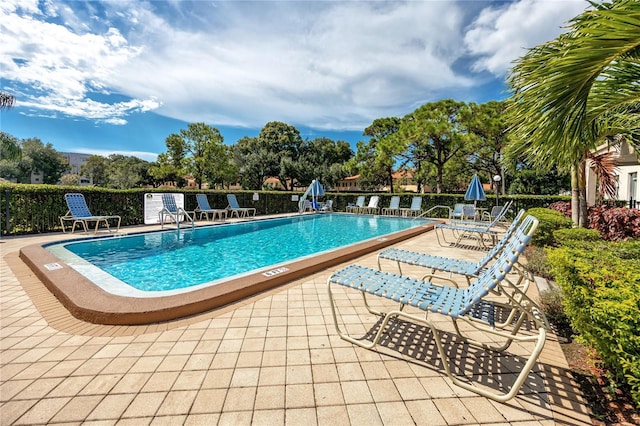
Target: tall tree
point(488, 125)
point(573, 92)
point(324, 159)
point(96, 168)
point(375, 159)
point(434, 134)
point(199, 149)
point(284, 143)
point(38, 157)
point(253, 162)
point(125, 172)
point(9, 147)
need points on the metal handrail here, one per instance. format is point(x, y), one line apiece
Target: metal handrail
point(432, 209)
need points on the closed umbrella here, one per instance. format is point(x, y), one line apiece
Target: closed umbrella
point(316, 191)
point(475, 191)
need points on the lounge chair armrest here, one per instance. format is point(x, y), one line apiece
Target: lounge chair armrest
point(433, 277)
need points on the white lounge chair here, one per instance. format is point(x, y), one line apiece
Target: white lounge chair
point(235, 208)
point(79, 213)
point(394, 206)
point(372, 207)
point(415, 209)
point(357, 206)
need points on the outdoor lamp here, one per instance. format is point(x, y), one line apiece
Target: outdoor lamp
point(496, 180)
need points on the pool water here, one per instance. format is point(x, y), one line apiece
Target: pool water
point(170, 260)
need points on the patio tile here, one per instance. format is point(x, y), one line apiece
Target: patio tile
point(13, 410)
point(77, 409)
point(209, 401)
point(299, 396)
point(42, 411)
point(162, 381)
point(239, 399)
point(270, 397)
point(356, 392)
point(328, 394)
point(364, 414)
point(273, 359)
point(177, 403)
point(454, 411)
point(235, 418)
point(301, 416)
point(268, 417)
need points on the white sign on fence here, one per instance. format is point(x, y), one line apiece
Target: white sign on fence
point(153, 205)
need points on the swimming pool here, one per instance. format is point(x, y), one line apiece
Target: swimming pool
point(200, 269)
point(162, 263)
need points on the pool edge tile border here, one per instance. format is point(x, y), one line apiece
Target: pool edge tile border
point(87, 302)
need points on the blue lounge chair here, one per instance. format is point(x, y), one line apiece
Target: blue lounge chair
point(357, 206)
point(468, 306)
point(394, 206)
point(470, 230)
point(171, 210)
point(463, 211)
point(497, 216)
point(235, 208)
point(79, 213)
point(459, 266)
point(205, 209)
point(415, 209)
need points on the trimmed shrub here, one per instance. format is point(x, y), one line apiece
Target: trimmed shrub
point(568, 236)
point(551, 302)
point(550, 220)
point(601, 286)
point(537, 262)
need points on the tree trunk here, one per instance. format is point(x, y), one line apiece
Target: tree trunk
point(575, 195)
point(582, 187)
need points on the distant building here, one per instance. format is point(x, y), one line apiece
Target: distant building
point(627, 171)
point(348, 184)
point(402, 181)
point(76, 161)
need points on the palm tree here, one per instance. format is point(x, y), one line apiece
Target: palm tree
point(9, 147)
point(7, 100)
point(579, 89)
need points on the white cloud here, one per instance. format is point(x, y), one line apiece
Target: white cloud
point(60, 69)
point(501, 35)
point(324, 65)
point(147, 156)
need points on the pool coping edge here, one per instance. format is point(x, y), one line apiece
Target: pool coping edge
point(87, 302)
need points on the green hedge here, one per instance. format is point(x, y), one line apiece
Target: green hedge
point(549, 221)
point(28, 209)
point(601, 286)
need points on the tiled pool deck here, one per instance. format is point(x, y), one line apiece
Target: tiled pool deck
point(274, 359)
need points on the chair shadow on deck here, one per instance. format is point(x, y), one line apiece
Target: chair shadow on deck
point(497, 372)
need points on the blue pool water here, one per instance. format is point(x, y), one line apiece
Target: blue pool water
point(173, 259)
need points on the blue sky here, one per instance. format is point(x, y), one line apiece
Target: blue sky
point(119, 76)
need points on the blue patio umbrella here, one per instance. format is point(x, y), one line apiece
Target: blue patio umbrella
point(316, 191)
point(475, 191)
